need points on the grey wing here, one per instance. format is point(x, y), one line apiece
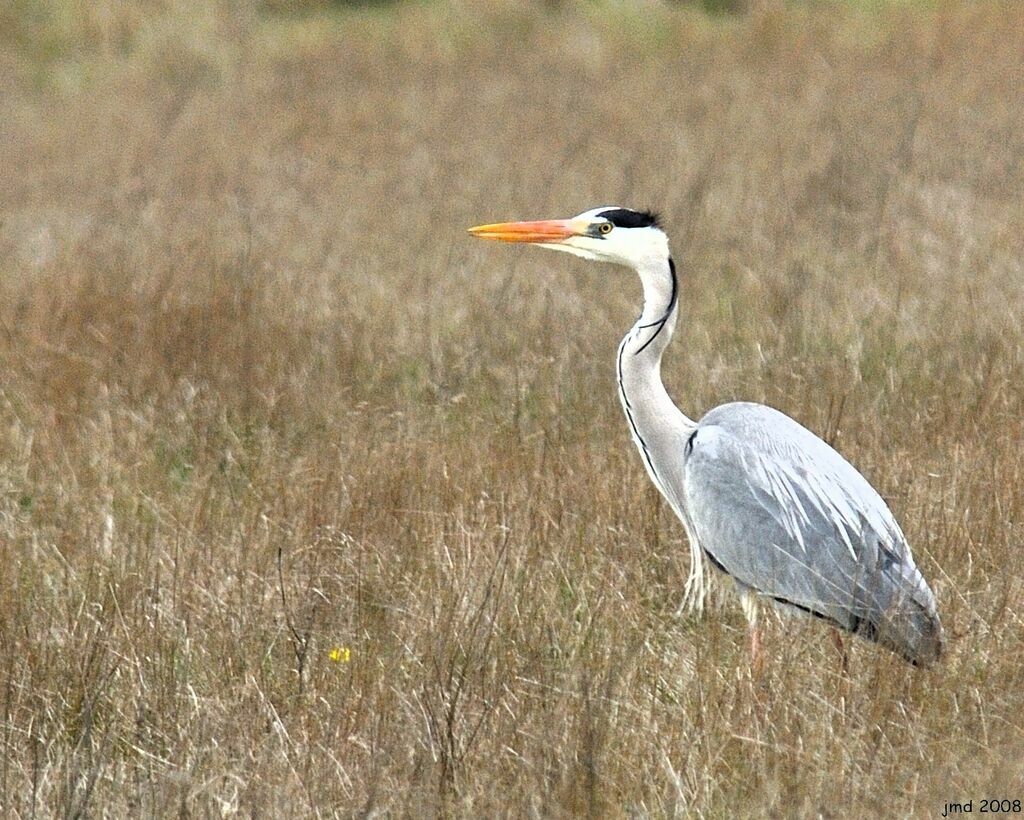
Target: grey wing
point(788, 517)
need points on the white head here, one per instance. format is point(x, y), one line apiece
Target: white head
point(607, 234)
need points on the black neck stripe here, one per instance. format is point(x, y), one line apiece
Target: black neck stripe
point(659, 324)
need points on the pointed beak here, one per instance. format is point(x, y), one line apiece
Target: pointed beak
point(546, 230)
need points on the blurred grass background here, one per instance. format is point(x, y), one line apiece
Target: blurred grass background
point(263, 401)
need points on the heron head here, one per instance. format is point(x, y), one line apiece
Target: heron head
point(607, 234)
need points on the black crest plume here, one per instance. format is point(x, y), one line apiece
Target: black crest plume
point(627, 218)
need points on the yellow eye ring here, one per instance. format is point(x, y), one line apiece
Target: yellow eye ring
point(605, 227)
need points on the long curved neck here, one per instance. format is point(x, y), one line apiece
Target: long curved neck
point(654, 420)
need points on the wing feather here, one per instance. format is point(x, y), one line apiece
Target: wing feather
point(790, 518)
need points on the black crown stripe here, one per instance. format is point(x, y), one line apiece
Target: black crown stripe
point(626, 218)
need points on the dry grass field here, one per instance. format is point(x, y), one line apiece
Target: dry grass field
point(310, 505)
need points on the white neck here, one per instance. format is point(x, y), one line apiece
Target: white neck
point(654, 420)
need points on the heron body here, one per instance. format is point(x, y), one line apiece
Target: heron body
point(761, 498)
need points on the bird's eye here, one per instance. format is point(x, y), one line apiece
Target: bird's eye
point(605, 228)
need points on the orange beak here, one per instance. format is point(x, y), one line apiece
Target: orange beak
point(546, 230)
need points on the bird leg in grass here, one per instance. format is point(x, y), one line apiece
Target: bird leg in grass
point(844, 658)
point(756, 649)
point(750, 605)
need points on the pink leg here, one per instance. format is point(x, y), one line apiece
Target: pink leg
point(749, 602)
point(844, 659)
point(756, 650)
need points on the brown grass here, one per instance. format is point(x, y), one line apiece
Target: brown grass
point(262, 398)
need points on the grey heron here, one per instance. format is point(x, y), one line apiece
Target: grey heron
point(761, 498)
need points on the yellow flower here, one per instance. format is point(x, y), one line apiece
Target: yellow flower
point(340, 654)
